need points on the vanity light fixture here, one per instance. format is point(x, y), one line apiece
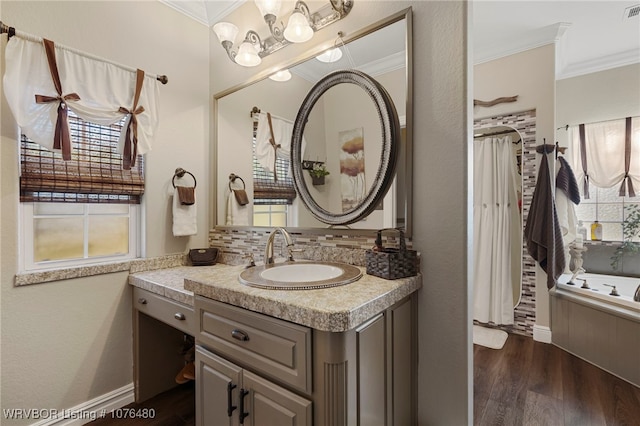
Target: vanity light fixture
point(300, 28)
point(282, 75)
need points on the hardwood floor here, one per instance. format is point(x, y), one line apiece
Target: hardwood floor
point(526, 383)
point(531, 383)
point(175, 407)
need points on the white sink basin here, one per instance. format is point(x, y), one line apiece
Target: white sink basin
point(300, 275)
point(302, 272)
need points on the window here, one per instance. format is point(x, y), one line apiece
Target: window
point(272, 198)
point(80, 211)
point(607, 207)
point(605, 158)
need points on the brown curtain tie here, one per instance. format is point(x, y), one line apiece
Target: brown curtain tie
point(627, 161)
point(272, 141)
point(130, 151)
point(62, 136)
point(583, 158)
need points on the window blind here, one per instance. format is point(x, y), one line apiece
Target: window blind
point(93, 175)
point(267, 190)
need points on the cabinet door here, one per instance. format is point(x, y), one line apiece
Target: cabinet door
point(267, 404)
point(217, 389)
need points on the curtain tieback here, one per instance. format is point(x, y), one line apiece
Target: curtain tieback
point(62, 137)
point(272, 141)
point(627, 180)
point(585, 186)
point(130, 151)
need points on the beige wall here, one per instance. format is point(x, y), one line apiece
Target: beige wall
point(531, 76)
point(441, 206)
point(442, 119)
point(67, 342)
point(612, 94)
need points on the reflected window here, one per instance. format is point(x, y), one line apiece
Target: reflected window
point(273, 192)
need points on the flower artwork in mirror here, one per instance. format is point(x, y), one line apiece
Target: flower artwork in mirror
point(355, 198)
point(348, 133)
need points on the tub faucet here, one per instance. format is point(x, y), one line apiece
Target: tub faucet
point(636, 295)
point(268, 250)
point(575, 274)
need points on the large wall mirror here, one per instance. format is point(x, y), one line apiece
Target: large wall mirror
point(382, 51)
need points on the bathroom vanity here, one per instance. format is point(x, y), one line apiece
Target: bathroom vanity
point(336, 356)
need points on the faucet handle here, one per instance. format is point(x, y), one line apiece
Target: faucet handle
point(252, 261)
point(291, 250)
point(585, 284)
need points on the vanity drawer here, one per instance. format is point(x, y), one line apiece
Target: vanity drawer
point(172, 313)
point(276, 348)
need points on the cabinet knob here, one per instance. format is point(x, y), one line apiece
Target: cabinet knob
point(179, 316)
point(142, 301)
point(240, 335)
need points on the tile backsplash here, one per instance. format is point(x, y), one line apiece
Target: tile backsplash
point(237, 243)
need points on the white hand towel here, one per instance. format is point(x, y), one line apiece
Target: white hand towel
point(236, 214)
point(184, 217)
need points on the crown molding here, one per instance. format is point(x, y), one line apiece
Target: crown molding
point(537, 38)
point(621, 59)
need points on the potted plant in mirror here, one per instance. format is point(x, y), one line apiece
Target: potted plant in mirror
point(318, 172)
point(630, 232)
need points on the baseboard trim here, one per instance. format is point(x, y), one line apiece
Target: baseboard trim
point(541, 334)
point(96, 408)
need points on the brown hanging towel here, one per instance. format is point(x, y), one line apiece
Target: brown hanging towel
point(275, 146)
point(62, 137)
point(187, 195)
point(627, 161)
point(130, 151)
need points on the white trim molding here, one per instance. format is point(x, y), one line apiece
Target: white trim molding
point(541, 334)
point(97, 408)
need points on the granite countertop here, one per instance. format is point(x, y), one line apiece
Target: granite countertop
point(169, 282)
point(334, 309)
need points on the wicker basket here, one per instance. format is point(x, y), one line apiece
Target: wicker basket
point(392, 263)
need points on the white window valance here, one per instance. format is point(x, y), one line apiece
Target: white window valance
point(97, 91)
point(607, 154)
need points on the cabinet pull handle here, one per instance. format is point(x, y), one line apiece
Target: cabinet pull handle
point(240, 335)
point(142, 301)
point(230, 406)
point(180, 316)
point(243, 414)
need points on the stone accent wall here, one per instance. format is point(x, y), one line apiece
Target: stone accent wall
point(525, 123)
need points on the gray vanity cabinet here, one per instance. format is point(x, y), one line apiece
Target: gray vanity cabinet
point(288, 374)
point(226, 394)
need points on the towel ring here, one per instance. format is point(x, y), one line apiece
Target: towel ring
point(232, 178)
point(180, 173)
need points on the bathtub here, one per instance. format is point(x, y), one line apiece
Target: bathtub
point(596, 326)
point(599, 288)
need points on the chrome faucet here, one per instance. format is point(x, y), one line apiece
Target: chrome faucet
point(268, 250)
point(577, 272)
point(636, 295)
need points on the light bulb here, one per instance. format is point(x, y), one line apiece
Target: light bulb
point(298, 29)
point(282, 75)
point(268, 7)
point(248, 55)
point(331, 55)
point(225, 31)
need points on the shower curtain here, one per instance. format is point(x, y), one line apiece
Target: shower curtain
point(495, 211)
